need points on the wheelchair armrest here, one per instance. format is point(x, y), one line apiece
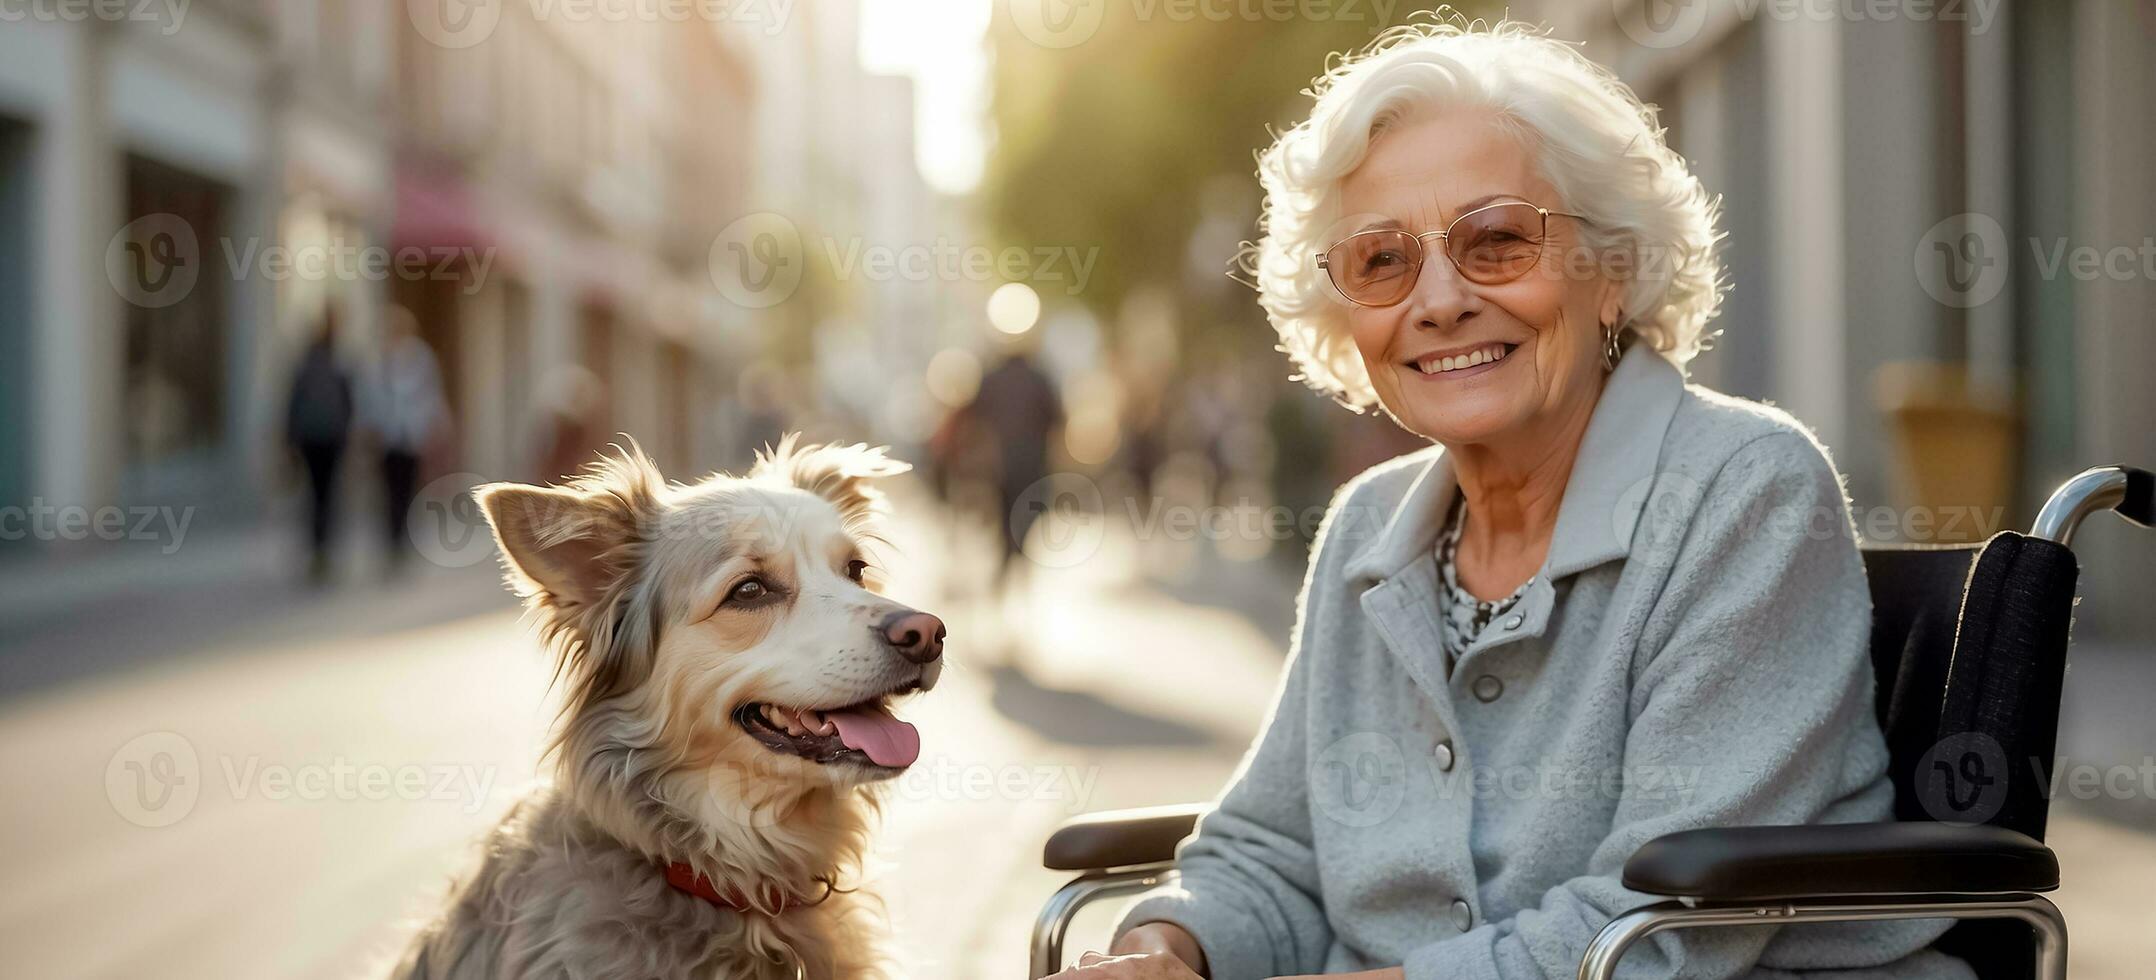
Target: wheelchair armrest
point(1120, 838)
point(1840, 861)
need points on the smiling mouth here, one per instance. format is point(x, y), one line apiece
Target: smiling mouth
point(862, 734)
point(1485, 354)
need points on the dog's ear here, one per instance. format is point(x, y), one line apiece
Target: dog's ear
point(569, 547)
point(553, 541)
point(840, 474)
point(572, 552)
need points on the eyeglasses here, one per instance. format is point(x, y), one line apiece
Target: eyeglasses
point(1489, 245)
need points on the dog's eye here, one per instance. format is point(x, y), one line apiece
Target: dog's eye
point(749, 591)
point(856, 569)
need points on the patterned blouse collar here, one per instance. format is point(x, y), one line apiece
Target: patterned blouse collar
point(1465, 616)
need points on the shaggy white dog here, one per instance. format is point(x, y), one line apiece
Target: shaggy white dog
point(728, 670)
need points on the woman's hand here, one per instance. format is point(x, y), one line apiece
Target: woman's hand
point(1389, 973)
point(1135, 966)
point(1149, 951)
point(1163, 937)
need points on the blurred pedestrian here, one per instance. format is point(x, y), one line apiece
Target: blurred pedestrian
point(407, 415)
point(1019, 409)
point(318, 425)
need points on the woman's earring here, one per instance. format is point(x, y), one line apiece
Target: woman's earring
point(1611, 351)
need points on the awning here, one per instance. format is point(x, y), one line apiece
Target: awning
point(436, 211)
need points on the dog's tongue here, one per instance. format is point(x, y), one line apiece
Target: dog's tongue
point(888, 741)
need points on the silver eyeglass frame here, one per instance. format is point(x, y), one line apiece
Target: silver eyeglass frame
point(1444, 236)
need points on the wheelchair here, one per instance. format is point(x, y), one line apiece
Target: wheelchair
point(1968, 650)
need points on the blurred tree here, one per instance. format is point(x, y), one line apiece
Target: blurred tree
point(1141, 141)
point(1111, 142)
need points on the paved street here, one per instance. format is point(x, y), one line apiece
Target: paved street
point(346, 747)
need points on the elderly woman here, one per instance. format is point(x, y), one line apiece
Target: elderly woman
point(1605, 606)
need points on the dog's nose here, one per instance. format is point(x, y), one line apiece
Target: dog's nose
point(917, 636)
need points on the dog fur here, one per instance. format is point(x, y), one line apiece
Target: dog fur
point(632, 581)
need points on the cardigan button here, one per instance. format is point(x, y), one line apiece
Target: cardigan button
point(1463, 915)
point(1488, 688)
point(1515, 621)
point(1444, 756)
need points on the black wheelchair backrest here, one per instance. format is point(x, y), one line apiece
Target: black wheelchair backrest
point(1969, 651)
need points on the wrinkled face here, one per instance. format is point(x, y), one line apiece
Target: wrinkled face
point(777, 642)
point(1458, 361)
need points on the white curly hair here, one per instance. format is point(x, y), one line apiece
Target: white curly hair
point(1594, 141)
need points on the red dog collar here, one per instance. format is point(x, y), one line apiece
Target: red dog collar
point(685, 878)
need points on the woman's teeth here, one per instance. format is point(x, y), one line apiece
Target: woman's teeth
point(1480, 355)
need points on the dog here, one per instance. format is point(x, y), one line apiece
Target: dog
point(728, 666)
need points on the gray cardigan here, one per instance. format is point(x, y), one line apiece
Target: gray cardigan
point(1693, 654)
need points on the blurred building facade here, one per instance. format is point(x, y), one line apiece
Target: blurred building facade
point(592, 161)
point(1939, 237)
point(834, 163)
point(128, 353)
point(542, 195)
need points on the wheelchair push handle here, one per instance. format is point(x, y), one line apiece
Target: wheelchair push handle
point(2128, 491)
